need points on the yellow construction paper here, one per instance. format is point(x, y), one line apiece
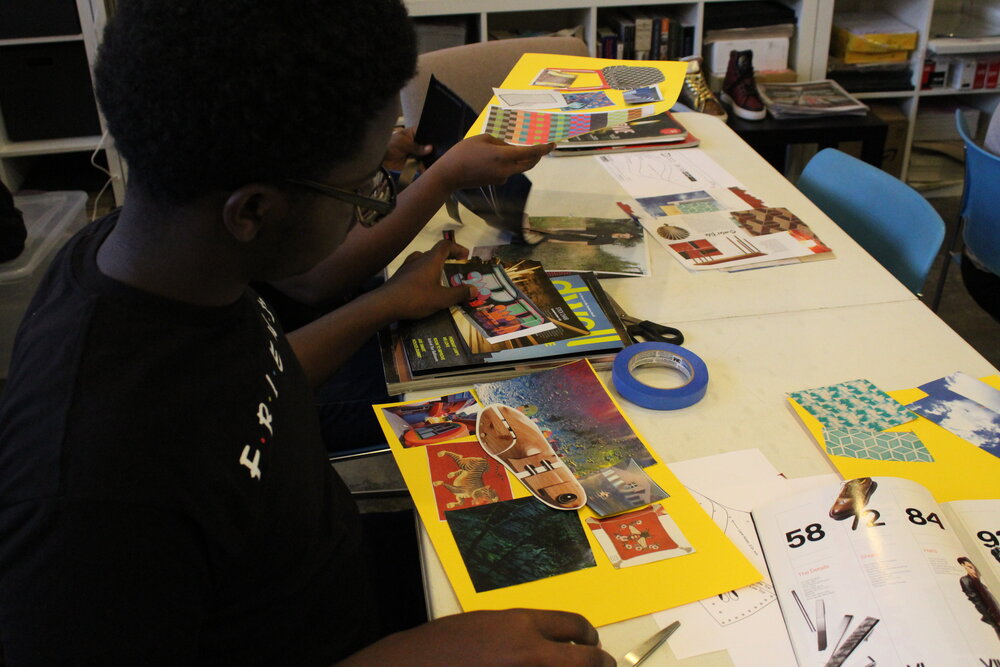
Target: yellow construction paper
point(527, 68)
point(603, 594)
point(960, 470)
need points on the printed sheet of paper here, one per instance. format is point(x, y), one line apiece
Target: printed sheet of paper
point(526, 128)
point(747, 622)
point(603, 593)
point(657, 173)
point(964, 406)
point(703, 216)
point(606, 246)
point(529, 100)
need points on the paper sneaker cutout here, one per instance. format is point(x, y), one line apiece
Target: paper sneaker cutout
point(514, 440)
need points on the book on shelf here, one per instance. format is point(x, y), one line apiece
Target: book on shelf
point(878, 560)
point(809, 99)
point(661, 130)
point(444, 349)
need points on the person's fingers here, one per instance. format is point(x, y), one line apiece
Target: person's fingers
point(566, 626)
point(458, 251)
point(578, 655)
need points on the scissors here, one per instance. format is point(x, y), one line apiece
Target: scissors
point(646, 330)
point(645, 649)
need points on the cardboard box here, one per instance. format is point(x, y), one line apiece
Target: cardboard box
point(895, 137)
point(50, 218)
point(871, 32)
point(769, 53)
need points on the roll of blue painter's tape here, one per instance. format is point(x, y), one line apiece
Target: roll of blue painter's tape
point(684, 361)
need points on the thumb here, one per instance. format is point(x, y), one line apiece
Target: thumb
point(424, 150)
point(462, 293)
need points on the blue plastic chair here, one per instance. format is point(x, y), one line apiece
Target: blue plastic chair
point(979, 219)
point(888, 218)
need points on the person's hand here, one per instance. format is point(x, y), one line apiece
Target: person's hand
point(401, 146)
point(511, 638)
point(485, 160)
point(416, 290)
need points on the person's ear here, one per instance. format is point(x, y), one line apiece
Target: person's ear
point(249, 208)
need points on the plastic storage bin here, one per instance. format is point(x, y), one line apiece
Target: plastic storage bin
point(51, 218)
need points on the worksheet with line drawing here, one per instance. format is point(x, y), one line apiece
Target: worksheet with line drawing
point(667, 172)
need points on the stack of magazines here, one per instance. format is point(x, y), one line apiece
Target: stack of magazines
point(809, 99)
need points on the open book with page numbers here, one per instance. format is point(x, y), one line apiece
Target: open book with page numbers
point(874, 570)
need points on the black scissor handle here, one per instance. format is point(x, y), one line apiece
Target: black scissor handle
point(654, 332)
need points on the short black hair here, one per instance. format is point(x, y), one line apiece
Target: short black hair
point(201, 95)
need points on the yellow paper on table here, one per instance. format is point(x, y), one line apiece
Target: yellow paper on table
point(960, 470)
point(579, 74)
point(601, 593)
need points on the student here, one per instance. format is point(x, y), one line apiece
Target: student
point(164, 493)
point(12, 230)
point(343, 400)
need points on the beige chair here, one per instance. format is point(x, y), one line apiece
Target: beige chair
point(473, 70)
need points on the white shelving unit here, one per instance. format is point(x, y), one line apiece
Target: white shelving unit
point(17, 156)
point(916, 13)
point(552, 15)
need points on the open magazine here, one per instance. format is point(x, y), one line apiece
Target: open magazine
point(874, 571)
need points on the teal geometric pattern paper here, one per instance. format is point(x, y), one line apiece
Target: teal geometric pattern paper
point(853, 404)
point(861, 443)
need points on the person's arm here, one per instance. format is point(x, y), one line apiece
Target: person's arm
point(476, 161)
point(415, 291)
point(509, 638)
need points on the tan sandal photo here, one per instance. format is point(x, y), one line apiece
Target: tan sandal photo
point(515, 441)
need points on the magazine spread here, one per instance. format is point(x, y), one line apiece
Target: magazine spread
point(874, 571)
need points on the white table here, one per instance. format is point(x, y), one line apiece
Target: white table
point(762, 334)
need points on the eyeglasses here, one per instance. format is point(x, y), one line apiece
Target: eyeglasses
point(372, 202)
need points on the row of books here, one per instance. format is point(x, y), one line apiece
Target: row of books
point(635, 34)
point(972, 71)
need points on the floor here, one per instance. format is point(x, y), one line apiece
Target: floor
point(380, 487)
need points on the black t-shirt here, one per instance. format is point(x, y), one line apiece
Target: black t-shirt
point(12, 230)
point(165, 496)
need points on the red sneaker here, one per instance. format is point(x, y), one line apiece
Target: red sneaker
point(739, 89)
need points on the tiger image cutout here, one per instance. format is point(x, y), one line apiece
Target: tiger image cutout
point(464, 476)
